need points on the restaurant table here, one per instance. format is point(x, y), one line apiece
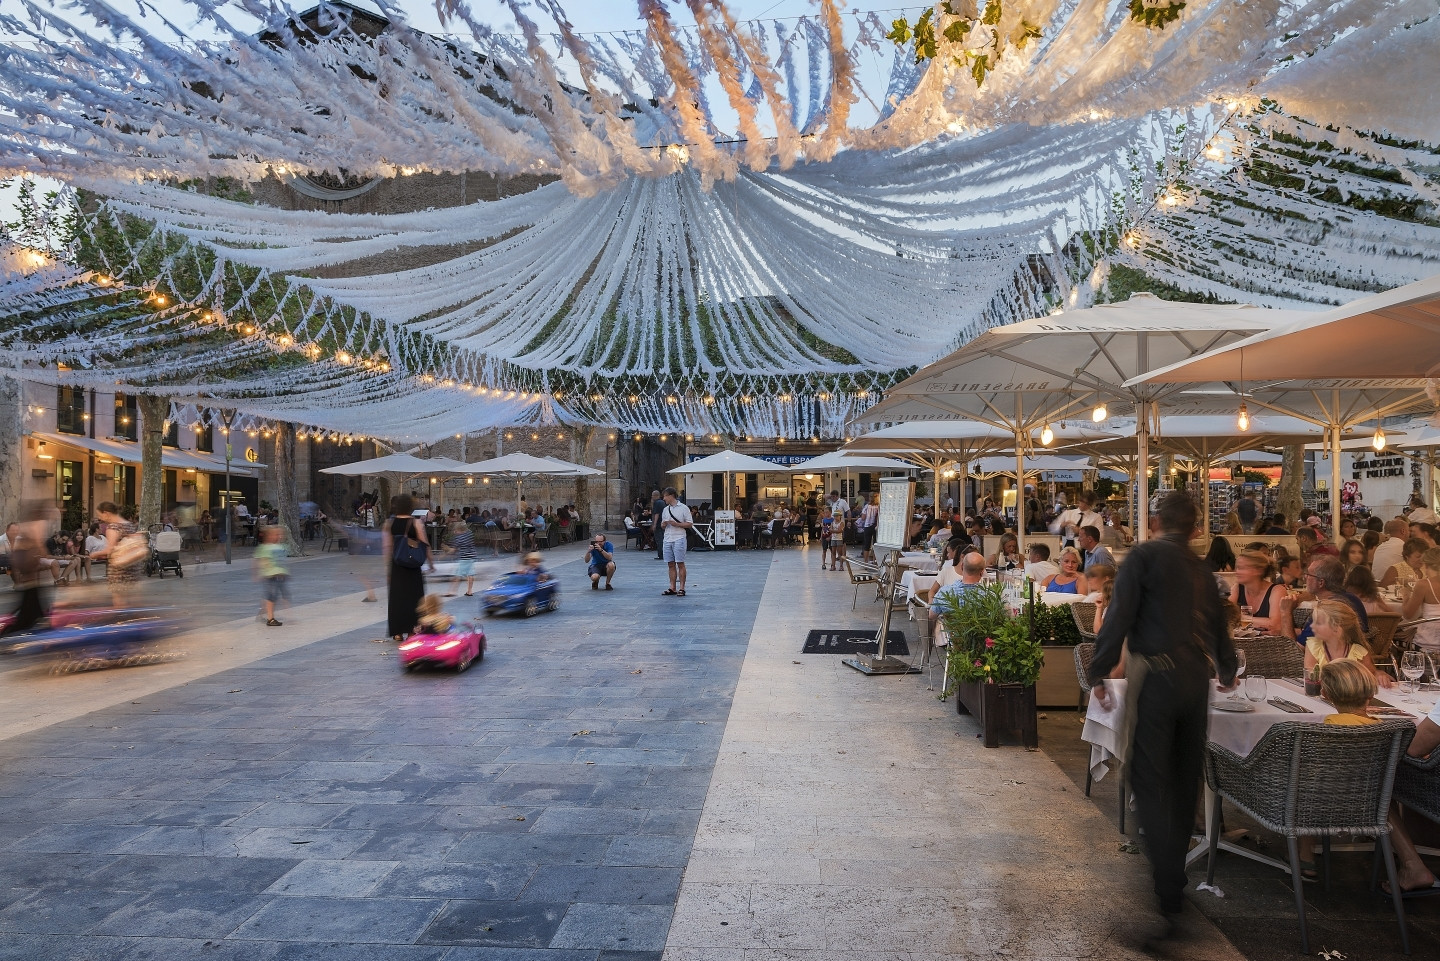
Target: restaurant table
point(920, 560)
point(1235, 731)
point(914, 583)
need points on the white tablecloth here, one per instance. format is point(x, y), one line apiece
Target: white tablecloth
point(919, 560)
point(914, 583)
point(1238, 732)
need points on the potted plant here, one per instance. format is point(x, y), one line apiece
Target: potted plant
point(1055, 629)
point(993, 662)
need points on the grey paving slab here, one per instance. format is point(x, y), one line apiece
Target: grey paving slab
point(321, 804)
point(614, 927)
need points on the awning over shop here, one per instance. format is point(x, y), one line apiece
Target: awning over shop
point(128, 452)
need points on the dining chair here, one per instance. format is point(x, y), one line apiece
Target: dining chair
point(860, 573)
point(1314, 780)
point(1084, 614)
point(1381, 636)
point(1417, 789)
point(1272, 656)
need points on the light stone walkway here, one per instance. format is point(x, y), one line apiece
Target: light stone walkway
point(854, 817)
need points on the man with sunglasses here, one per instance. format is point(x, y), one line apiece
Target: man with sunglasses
point(600, 562)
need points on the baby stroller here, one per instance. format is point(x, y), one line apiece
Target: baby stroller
point(164, 554)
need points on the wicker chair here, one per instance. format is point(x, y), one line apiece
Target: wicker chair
point(1084, 614)
point(1300, 616)
point(1417, 787)
point(1084, 652)
point(1272, 656)
point(1314, 780)
point(1381, 637)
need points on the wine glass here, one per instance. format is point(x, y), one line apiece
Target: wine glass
point(1412, 665)
point(1256, 688)
point(1239, 671)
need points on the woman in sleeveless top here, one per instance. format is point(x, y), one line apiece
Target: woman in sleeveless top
point(407, 584)
point(1424, 602)
point(1069, 580)
point(1254, 589)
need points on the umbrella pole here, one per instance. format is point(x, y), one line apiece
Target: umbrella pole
point(1019, 477)
point(1335, 485)
point(1142, 471)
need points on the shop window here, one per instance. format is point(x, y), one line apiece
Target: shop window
point(172, 434)
point(70, 410)
point(68, 477)
point(205, 438)
point(127, 417)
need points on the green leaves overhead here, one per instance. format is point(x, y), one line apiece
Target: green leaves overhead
point(954, 23)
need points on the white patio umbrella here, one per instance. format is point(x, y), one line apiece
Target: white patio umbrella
point(937, 445)
point(841, 460)
point(394, 467)
point(726, 462)
point(1205, 439)
point(1022, 377)
point(1365, 361)
point(519, 467)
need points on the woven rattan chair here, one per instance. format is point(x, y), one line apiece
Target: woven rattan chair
point(1417, 787)
point(1084, 614)
point(1300, 616)
point(1314, 780)
point(1084, 652)
point(1381, 637)
point(1272, 656)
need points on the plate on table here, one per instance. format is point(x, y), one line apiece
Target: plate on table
point(1234, 707)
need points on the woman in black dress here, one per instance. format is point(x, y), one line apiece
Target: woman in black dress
point(407, 584)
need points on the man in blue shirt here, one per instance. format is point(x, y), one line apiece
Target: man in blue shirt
point(1325, 580)
point(972, 572)
point(600, 561)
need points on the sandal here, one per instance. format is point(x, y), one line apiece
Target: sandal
point(680, 593)
point(668, 592)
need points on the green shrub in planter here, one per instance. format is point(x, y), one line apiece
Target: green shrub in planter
point(986, 643)
point(1055, 626)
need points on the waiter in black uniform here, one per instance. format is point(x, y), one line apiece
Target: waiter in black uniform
point(1167, 606)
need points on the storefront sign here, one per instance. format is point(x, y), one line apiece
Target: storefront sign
point(1363, 468)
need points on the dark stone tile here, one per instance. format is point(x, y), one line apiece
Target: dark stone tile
point(23, 869)
point(481, 847)
point(335, 951)
point(77, 839)
point(64, 948)
point(175, 839)
point(519, 954)
point(168, 874)
point(649, 850)
point(603, 885)
point(365, 816)
point(348, 920)
point(300, 842)
point(201, 813)
point(332, 879)
point(62, 910)
point(496, 923)
point(634, 927)
point(450, 879)
point(182, 914)
point(406, 845)
point(574, 820)
point(293, 814)
point(679, 823)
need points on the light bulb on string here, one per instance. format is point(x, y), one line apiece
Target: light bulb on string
point(1378, 441)
point(1047, 436)
point(1242, 421)
point(1100, 413)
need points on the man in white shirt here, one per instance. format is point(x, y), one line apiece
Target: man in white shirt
point(1068, 524)
point(675, 520)
point(1420, 512)
point(1038, 565)
point(1391, 550)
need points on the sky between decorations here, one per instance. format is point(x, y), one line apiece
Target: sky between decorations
point(749, 227)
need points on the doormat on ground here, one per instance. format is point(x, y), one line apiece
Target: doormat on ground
point(858, 641)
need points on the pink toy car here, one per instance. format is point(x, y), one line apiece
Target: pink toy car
point(458, 649)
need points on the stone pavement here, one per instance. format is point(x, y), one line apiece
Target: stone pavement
point(290, 794)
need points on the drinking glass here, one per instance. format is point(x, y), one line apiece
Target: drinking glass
point(1239, 671)
point(1412, 665)
point(1256, 689)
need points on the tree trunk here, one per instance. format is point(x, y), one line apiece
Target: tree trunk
point(152, 471)
point(1292, 479)
point(288, 501)
point(12, 442)
point(579, 453)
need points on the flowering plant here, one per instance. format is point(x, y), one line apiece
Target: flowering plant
point(986, 643)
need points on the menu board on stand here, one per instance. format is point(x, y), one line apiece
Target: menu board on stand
point(897, 503)
point(724, 529)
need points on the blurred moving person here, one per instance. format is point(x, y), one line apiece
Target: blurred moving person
point(270, 570)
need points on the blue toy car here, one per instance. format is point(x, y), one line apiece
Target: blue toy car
point(521, 593)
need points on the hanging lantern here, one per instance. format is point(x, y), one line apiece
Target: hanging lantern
point(1242, 422)
point(1378, 441)
point(1100, 413)
point(1047, 436)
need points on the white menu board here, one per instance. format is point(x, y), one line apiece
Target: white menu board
point(897, 503)
point(724, 528)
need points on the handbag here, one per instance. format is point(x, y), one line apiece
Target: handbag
point(410, 553)
point(131, 550)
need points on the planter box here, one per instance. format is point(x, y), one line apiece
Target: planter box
point(1000, 709)
point(1057, 686)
